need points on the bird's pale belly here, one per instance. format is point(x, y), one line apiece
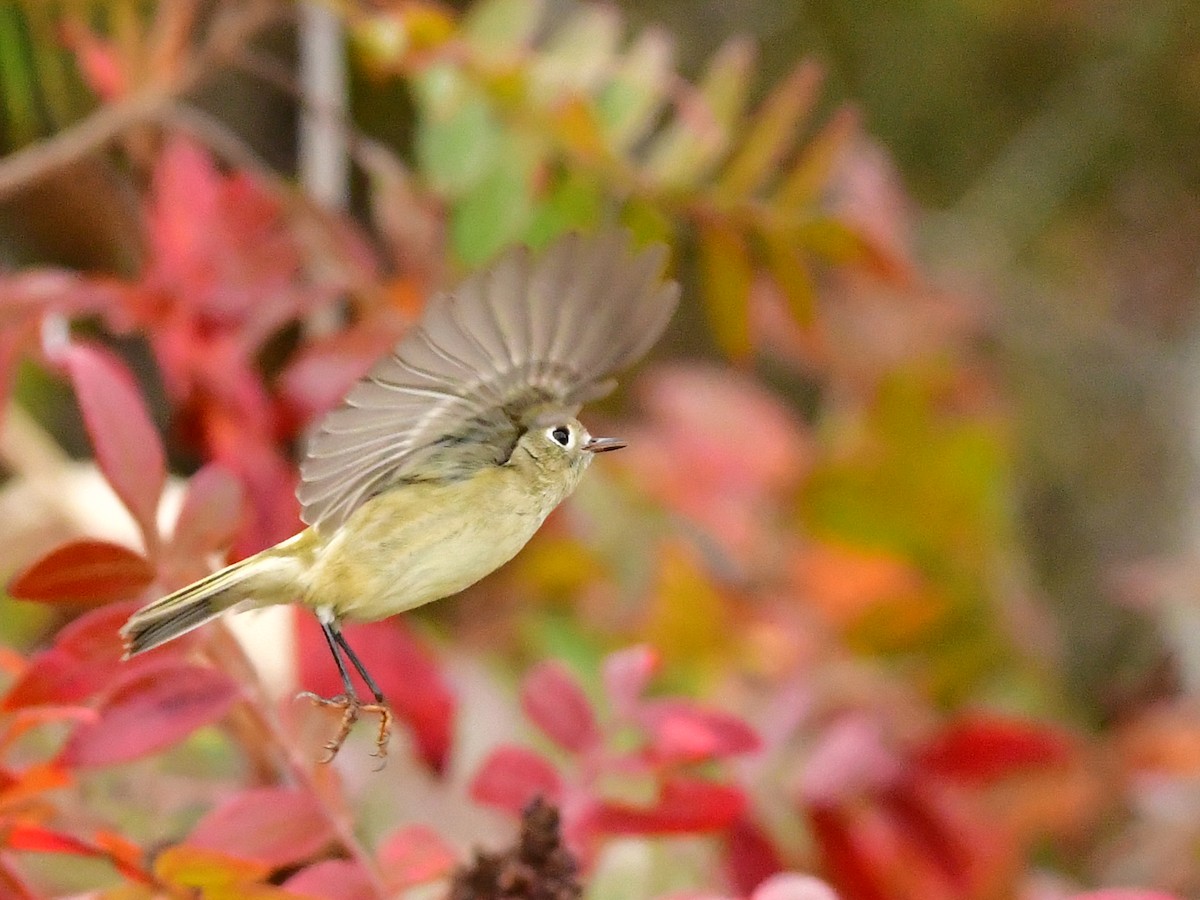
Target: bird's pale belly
point(421, 543)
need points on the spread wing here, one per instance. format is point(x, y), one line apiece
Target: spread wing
point(522, 336)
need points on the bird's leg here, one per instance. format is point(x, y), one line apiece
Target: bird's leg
point(349, 703)
point(380, 705)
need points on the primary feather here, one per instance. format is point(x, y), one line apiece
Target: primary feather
point(520, 339)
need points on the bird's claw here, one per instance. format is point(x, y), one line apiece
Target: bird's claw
point(352, 708)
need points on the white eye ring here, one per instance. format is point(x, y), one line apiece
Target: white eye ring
point(561, 435)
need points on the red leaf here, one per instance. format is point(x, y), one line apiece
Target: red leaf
point(85, 659)
point(627, 673)
point(415, 855)
point(684, 806)
point(275, 826)
point(940, 840)
point(847, 857)
point(150, 709)
point(86, 571)
point(127, 446)
point(682, 732)
point(211, 512)
point(982, 748)
point(333, 879)
point(55, 677)
point(406, 672)
point(555, 703)
point(750, 855)
point(511, 777)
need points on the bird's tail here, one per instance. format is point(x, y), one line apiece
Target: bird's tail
point(189, 607)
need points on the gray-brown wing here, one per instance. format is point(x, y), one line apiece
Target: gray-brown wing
point(524, 334)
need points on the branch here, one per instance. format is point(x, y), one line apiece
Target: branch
point(228, 35)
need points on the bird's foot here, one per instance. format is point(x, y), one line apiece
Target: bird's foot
point(352, 708)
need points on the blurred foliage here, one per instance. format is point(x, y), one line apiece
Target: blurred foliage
point(849, 502)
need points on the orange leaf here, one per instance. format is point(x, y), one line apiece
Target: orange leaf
point(86, 571)
point(803, 184)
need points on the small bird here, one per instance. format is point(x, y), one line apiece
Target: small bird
point(441, 463)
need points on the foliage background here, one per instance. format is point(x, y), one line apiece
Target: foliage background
point(911, 491)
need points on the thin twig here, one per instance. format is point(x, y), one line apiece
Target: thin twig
point(229, 33)
point(297, 768)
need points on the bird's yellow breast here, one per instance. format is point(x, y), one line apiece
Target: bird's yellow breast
point(422, 542)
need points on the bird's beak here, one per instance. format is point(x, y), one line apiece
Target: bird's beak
point(603, 445)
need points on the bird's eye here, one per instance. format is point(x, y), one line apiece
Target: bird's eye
point(561, 435)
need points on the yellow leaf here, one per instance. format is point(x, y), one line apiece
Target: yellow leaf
point(728, 274)
point(688, 620)
point(427, 26)
point(808, 176)
point(579, 130)
point(772, 130)
point(191, 867)
point(790, 274)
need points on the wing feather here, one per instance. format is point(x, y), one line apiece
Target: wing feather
point(523, 335)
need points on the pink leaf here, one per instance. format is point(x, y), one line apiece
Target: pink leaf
point(555, 703)
point(682, 732)
point(511, 777)
point(414, 855)
point(627, 674)
point(85, 571)
point(127, 446)
point(1125, 894)
point(406, 672)
point(149, 710)
point(97, 59)
point(271, 825)
point(684, 806)
point(212, 509)
point(981, 748)
point(320, 374)
point(333, 879)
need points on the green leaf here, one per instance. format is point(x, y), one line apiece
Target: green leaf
point(630, 103)
point(810, 173)
point(772, 131)
point(500, 30)
point(457, 136)
point(647, 221)
point(575, 201)
point(17, 81)
point(694, 141)
point(728, 276)
point(498, 207)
